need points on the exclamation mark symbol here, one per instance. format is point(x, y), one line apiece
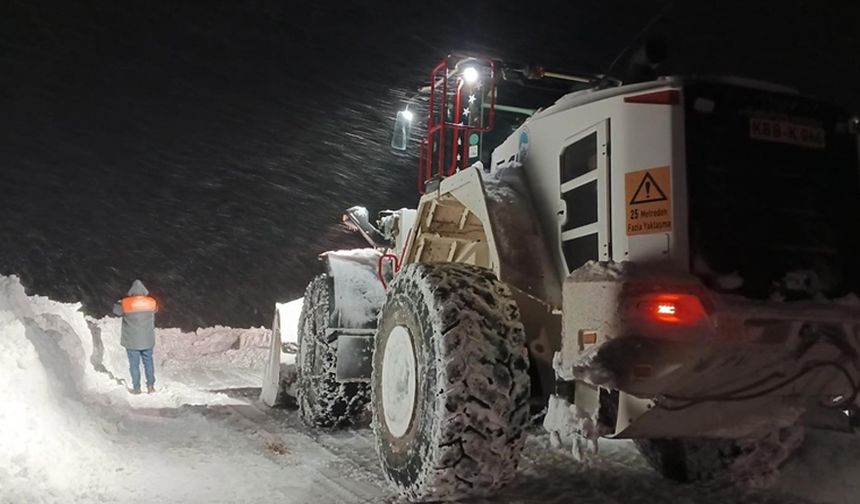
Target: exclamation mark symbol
point(647, 189)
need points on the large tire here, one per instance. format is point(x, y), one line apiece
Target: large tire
point(323, 401)
point(743, 461)
point(450, 384)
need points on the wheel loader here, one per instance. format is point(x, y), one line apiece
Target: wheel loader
point(671, 261)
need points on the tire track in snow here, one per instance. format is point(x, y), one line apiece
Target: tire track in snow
point(346, 472)
point(345, 462)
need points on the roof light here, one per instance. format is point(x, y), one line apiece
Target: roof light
point(470, 75)
point(402, 129)
point(672, 308)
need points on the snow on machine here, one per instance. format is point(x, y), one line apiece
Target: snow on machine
point(670, 261)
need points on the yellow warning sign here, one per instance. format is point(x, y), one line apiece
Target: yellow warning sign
point(649, 201)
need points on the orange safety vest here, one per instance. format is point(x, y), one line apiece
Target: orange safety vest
point(136, 304)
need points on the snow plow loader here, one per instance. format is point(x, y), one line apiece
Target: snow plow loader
point(671, 261)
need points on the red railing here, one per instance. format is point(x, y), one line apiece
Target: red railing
point(380, 273)
point(396, 262)
point(436, 159)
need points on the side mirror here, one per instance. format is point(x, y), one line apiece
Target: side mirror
point(402, 129)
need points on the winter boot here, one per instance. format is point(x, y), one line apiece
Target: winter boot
point(135, 391)
point(150, 389)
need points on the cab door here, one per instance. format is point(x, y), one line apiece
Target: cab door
point(584, 197)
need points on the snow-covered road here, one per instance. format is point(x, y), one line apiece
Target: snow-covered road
point(70, 432)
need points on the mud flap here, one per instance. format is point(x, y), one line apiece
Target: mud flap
point(354, 355)
point(356, 295)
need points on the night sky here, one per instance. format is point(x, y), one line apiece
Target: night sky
point(208, 147)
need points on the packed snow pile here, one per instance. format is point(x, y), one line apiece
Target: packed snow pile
point(178, 345)
point(48, 439)
point(71, 433)
point(64, 402)
point(205, 347)
point(184, 360)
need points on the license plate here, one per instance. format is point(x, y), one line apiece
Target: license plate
point(787, 132)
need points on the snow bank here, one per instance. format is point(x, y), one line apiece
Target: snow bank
point(64, 397)
point(212, 347)
point(72, 434)
point(48, 439)
point(220, 345)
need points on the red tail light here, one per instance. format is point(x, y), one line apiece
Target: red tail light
point(668, 97)
point(682, 309)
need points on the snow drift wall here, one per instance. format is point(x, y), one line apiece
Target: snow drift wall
point(175, 349)
point(47, 436)
point(63, 392)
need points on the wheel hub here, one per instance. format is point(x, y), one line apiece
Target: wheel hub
point(398, 381)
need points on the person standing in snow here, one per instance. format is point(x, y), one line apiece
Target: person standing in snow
point(138, 333)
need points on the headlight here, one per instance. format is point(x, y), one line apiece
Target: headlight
point(470, 75)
